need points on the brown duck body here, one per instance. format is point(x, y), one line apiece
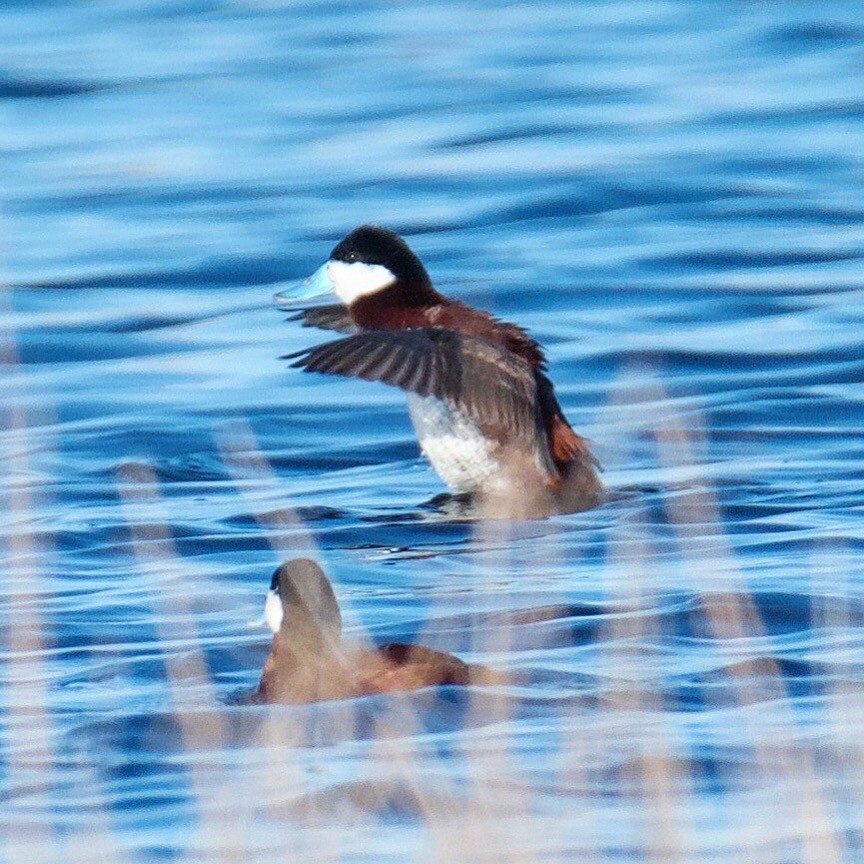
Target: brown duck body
point(298, 670)
point(310, 662)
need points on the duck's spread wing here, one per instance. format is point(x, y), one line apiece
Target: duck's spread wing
point(490, 385)
point(334, 317)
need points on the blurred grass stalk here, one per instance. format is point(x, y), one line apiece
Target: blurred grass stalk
point(30, 756)
point(221, 796)
point(29, 728)
point(733, 618)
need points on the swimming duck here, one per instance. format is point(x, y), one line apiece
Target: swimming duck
point(310, 662)
point(484, 410)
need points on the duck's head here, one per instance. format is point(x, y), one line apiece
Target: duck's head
point(301, 598)
point(369, 261)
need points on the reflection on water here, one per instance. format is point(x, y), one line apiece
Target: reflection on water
point(667, 195)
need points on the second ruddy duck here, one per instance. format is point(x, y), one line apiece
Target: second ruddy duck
point(309, 661)
point(483, 408)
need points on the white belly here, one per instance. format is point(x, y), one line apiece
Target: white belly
point(461, 455)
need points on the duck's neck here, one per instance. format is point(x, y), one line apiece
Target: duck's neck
point(300, 629)
point(397, 306)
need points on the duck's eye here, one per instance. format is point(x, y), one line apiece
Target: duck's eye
point(351, 257)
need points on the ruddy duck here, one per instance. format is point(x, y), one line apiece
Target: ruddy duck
point(310, 662)
point(484, 411)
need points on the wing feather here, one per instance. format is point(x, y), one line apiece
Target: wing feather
point(493, 387)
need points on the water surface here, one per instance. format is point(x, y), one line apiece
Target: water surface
point(667, 194)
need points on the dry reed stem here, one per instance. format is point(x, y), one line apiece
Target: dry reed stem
point(844, 706)
point(26, 693)
point(27, 709)
point(739, 619)
point(661, 776)
point(222, 813)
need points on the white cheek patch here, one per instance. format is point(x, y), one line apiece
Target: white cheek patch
point(352, 281)
point(273, 611)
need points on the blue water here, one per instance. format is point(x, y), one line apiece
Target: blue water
point(670, 195)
